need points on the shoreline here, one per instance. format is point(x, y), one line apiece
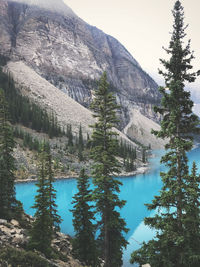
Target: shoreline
point(141, 170)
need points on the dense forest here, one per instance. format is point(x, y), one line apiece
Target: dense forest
point(25, 112)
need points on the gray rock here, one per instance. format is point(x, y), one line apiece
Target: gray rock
point(13, 231)
point(71, 55)
point(18, 239)
point(14, 222)
point(6, 230)
point(2, 221)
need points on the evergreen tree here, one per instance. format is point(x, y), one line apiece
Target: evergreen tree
point(88, 144)
point(80, 139)
point(173, 243)
point(42, 231)
point(69, 135)
point(7, 167)
point(191, 218)
point(80, 144)
point(144, 155)
point(22, 111)
point(111, 225)
point(84, 245)
point(51, 190)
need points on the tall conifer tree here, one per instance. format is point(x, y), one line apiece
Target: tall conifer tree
point(7, 166)
point(171, 246)
point(84, 245)
point(104, 151)
point(42, 232)
point(52, 192)
point(46, 217)
point(191, 218)
point(80, 144)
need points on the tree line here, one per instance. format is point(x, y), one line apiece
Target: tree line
point(105, 195)
point(23, 111)
point(100, 242)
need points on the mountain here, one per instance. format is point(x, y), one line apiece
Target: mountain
point(48, 37)
point(40, 91)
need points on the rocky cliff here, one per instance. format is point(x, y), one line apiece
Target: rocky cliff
point(70, 54)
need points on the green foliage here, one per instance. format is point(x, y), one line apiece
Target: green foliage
point(8, 203)
point(128, 153)
point(84, 245)
point(56, 219)
point(80, 144)
point(20, 258)
point(88, 142)
point(80, 139)
point(46, 214)
point(144, 155)
point(111, 240)
point(23, 111)
point(28, 140)
point(3, 60)
point(177, 221)
point(70, 135)
point(191, 218)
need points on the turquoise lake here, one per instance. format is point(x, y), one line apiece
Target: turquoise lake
point(136, 190)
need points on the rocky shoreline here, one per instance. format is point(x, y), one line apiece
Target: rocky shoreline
point(15, 237)
point(141, 170)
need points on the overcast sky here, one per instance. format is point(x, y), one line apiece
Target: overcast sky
point(142, 26)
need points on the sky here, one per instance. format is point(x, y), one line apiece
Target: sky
point(143, 27)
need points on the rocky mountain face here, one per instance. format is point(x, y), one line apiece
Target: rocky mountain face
point(59, 46)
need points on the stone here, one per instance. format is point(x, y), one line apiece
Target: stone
point(18, 231)
point(18, 239)
point(6, 230)
point(13, 231)
point(13, 236)
point(14, 222)
point(2, 221)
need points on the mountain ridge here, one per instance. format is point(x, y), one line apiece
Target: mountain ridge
point(72, 55)
point(51, 5)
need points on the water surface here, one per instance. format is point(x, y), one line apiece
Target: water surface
point(136, 190)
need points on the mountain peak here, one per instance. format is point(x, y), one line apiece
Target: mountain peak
point(52, 5)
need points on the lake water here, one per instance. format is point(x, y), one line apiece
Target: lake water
point(136, 190)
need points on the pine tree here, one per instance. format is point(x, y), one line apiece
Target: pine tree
point(111, 225)
point(8, 201)
point(80, 144)
point(69, 135)
point(84, 245)
point(42, 231)
point(88, 143)
point(144, 155)
point(56, 219)
point(80, 139)
point(191, 218)
point(170, 247)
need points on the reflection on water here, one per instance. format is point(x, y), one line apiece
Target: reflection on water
point(136, 190)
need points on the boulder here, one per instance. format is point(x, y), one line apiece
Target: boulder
point(5, 230)
point(19, 239)
point(2, 221)
point(14, 222)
